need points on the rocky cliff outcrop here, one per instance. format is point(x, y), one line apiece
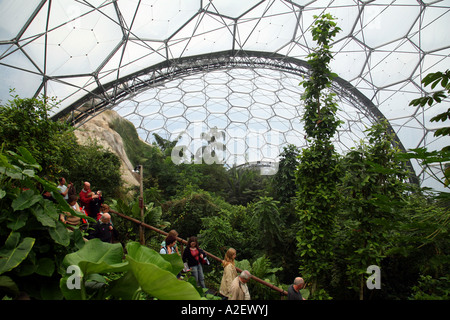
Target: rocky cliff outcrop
point(99, 128)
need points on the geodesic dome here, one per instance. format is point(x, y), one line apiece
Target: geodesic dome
point(193, 70)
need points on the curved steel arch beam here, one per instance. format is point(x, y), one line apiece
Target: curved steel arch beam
point(110, 94)
point(107, 95)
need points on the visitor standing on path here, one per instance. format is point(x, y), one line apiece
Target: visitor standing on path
point(239, 289)
point(169, 245)
point(294, 289)
point(195, 257)
point(86, 196)
point(229, 273)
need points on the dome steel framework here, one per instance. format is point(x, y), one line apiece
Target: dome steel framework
point(191, 69)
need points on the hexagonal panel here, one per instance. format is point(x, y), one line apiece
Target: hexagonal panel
point(103, 50)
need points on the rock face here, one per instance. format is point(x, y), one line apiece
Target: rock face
point(99, 128)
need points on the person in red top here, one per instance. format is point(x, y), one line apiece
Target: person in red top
point(195, 257)
point(86, 196)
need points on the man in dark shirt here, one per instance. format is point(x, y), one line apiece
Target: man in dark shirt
point(103, 229)
point(294, 289)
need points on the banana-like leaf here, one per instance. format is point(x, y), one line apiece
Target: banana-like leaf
point(25, 200)
point(155, 275)
point(125, 287)
point(13, 253)
point(144, 254)
point(46, 214)
point(60, 234)
point(45, 267)
point(97, 257)
point(160, 283)
point(176, 262)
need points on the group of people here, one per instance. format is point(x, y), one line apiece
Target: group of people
point(232, 286)
point(91, 204)
point(193, 257)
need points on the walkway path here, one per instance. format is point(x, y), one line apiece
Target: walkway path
point(147, 226)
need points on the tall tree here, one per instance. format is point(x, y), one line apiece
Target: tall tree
point(317, 173)
point(373, 189)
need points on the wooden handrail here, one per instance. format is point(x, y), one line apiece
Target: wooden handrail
point(147, 226)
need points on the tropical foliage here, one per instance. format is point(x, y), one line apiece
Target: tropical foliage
point(317, 171)
point(33, 237)
point(26, 123)
point(142, 271)
point(324, 216)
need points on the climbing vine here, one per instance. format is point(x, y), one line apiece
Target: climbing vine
point(317, 172)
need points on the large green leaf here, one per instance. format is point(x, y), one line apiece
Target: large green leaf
point(69, 294)
point(125, 287)
point(160, 283)
point(176, 262)
point(13, 253)
point(17, 221)
point(4, 162)
point(157, 276)
point(45, 267)
point(9, 286)
point(94, 257)
point(25, 200)
point(46, 214)
point(143, 254)
point(28, 158)
point(60, 234)
point(97, 257)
